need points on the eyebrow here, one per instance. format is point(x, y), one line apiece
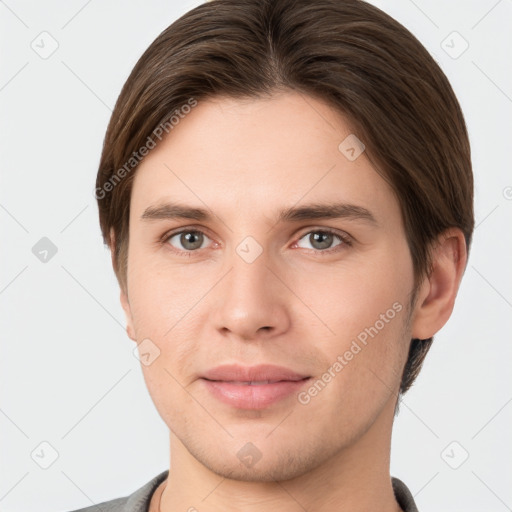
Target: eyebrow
point(171, 211)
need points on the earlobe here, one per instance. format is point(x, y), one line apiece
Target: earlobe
point(438, 291)
point(128, 313)
point(112, 246)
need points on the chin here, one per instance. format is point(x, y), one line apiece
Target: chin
point(261, 461)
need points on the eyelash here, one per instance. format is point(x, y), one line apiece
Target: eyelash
point(345, 241)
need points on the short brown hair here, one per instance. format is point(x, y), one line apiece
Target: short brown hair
point(347, 53)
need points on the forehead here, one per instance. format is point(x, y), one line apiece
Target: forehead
point(260, 155)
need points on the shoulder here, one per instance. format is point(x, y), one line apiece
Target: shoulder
point(136, 502)
point(117, 505)
point(403, 496)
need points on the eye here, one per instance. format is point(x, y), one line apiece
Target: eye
point(322, 239)
point(187, 240)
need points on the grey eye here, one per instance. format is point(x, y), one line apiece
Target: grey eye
point(189, 240)
point(320, 240)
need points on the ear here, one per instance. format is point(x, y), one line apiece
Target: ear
point(437, 292)
point(124, 293)
point(128, 313)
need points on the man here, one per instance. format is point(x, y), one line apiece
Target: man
point(286, 190)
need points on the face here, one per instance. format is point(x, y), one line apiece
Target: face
point(261, 277)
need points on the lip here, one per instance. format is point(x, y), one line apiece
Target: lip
point(261, 372)
point(231, 384)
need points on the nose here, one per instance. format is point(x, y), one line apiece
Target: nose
point(252, 300)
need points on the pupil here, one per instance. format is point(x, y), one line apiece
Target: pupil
point(188, 242)
point(323, 238)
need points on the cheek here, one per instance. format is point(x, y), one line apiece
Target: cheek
point(163, 312)
point(366, 311)
point(161, 298)
point(353, 299)
point(364, 369)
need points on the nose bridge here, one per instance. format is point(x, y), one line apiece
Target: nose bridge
point(251, 298)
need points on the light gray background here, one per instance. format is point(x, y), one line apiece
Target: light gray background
point(68, 375)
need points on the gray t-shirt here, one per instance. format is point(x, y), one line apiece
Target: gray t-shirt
point(140, 499)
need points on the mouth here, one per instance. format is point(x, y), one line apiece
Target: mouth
point(256, 387)
point(251, 383)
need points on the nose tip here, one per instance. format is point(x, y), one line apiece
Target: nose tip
point(251, 301)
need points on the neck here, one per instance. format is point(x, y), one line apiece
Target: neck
point(354, 479)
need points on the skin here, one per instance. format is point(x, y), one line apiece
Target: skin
point(293, 306)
